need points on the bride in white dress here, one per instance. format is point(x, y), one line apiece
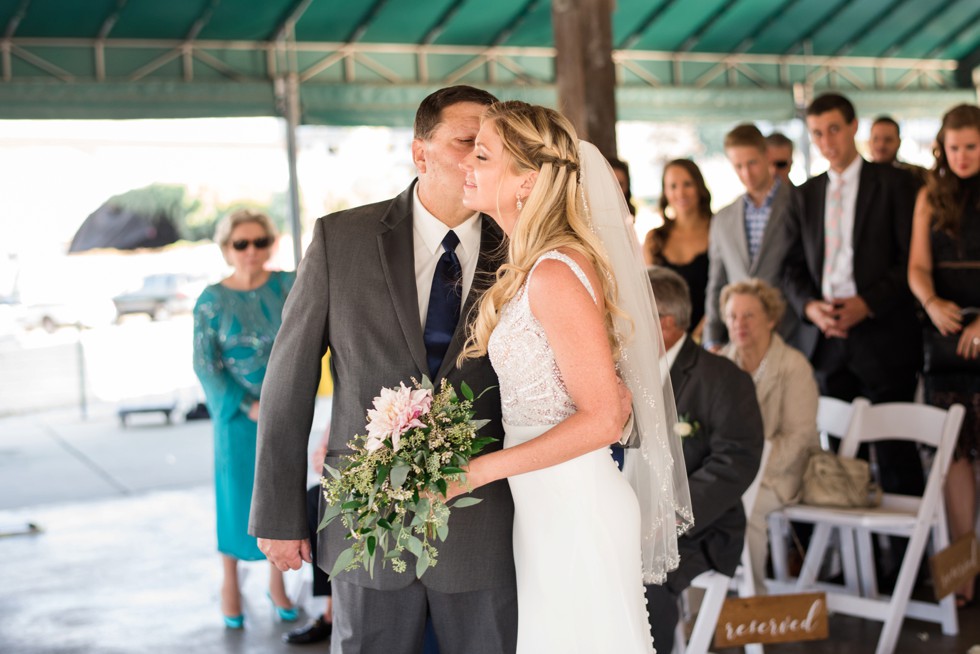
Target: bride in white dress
point(553, 327)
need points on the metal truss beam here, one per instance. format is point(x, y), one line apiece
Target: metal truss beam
point(905, 36)
point(365, 23)
point(636, 62)
point(633, 37)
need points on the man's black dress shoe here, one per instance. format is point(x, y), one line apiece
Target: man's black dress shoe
point(314, 632)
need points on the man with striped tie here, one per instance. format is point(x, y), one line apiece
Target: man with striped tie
point(845, 276)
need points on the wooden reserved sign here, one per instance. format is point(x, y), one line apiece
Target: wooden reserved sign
point(955, 566)
point(772, 619)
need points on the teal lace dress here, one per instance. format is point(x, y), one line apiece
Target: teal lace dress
point(233, 335)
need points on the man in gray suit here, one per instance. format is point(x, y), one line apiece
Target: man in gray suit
point(748, 237)
point(721, 451)
point(363, 290)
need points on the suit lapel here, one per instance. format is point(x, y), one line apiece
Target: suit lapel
point(866, 191)
point(777, 208)
point(490, 257)
point(397, 249)
point(680, 372)
point(741, 241)
point(817, 225)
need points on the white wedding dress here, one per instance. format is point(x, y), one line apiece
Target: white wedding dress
point(576, 524)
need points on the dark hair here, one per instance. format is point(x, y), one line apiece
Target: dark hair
point(943, 187)
point(830, 101)
point(623, 167)
point(429, 114)
point(657, 238)
point(779, 140)
point(887, 120)
point(747, 135)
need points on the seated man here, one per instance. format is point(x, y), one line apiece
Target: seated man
point(721, 427)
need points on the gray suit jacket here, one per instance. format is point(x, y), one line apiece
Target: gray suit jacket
point(355, 293)
point(729, 260)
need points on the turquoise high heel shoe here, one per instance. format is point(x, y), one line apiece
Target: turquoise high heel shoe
point(286, 615)
point(234, 621)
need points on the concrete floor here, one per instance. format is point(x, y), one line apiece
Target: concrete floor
point(125, 561)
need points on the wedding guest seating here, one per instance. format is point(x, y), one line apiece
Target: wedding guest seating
point(833, 419)
point(716, 585)
point(921, 519)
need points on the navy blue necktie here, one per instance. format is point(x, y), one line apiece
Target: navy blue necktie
point(445, 300)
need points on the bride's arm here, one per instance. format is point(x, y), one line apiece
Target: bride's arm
point(575, 330)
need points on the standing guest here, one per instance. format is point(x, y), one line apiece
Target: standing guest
point(884, 144)
point(717, 407)
point(944, 273)
point(681, 243)
point(779, 150)
point(748, 237)
point(385, 286)
point(846, 278)
point(787, 395)
point(235, 323)
point(622, 171)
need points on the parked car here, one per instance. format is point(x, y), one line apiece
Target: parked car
point(161, 296)
point(81, 312)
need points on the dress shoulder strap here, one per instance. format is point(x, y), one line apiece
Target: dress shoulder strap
point(568, 261)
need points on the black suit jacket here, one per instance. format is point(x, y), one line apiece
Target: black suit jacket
point(722, 458)
point(888, 342)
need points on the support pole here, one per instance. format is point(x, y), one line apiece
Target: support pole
point(586, 76)
point(289, 86)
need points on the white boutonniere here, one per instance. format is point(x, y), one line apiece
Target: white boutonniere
point(685, 427)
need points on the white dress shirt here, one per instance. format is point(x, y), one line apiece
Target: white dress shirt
point(428, 233)
point(840, 282)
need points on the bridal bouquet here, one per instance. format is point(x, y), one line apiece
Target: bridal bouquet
point(390, 496)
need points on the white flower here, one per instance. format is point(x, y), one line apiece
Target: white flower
point(683, 429)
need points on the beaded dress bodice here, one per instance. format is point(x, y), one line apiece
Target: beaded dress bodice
point(532, 391)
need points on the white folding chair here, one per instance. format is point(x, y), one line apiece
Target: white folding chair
point(833, 419)
point(716, 585)
point(920, 519)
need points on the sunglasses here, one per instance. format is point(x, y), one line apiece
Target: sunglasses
point(259, 243)
point(781, 164)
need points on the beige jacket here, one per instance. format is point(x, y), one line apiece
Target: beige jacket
point(788, 397)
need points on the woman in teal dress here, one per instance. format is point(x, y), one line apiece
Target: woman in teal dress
point(235, 323)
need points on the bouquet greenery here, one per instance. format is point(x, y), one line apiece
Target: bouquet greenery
point(391, 495)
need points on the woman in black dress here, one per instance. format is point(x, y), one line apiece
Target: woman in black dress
point(944, 274)
point(681, 243)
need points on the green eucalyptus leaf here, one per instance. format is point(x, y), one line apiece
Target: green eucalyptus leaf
point(478, 424)
point(426, 383)
point(414, 545)
point(464, 502)
point(443, 486)
point(344, 560)
point(372, 543)
point(333, 472)
point(329, 514)
point(350, 505)
point(399, 474)
point(384, 524)
point(452, 470)
point(442, 531)
point(466, 391)
point(422, 564)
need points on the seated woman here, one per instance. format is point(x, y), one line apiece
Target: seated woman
point(787, 395)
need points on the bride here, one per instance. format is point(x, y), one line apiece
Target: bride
point(557, 325)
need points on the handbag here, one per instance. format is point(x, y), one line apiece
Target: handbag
point(830, 480)
point(939, 354)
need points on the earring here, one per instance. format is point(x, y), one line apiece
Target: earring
point(669, 212)
point(520, 203)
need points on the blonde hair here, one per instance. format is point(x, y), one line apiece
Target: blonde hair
point(222, 233)
point(540, 139)
point(770, 298)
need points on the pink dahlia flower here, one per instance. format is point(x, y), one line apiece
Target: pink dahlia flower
point(396, 411)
